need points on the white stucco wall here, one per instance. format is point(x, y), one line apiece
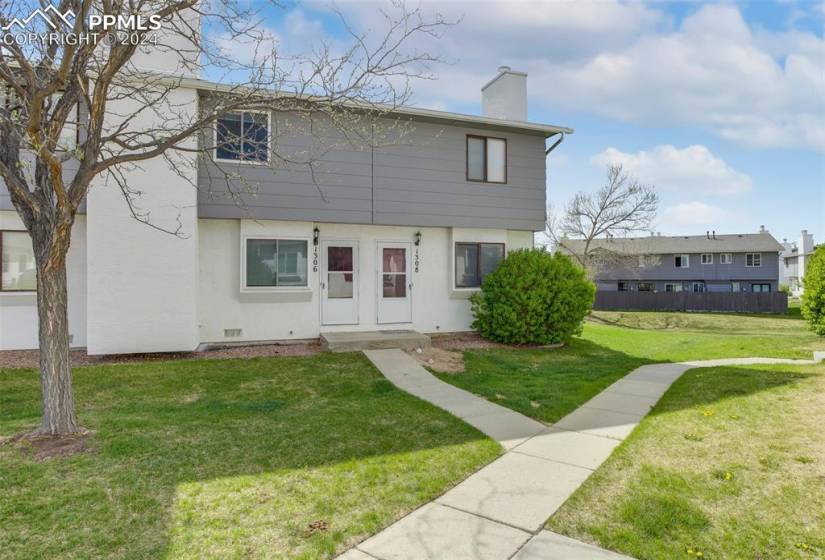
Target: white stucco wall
point(18, 311)
point(436, 305)
point(142, 282)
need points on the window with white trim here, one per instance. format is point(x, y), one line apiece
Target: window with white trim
point(18, 273)
point(725, 258)
point(669, 287)
point(276, 263)
point(761, 288)
point(753, 259)
point(681, 261)
point(474, 261)
point(646, 287)
point(623, 286)
point(486, 159)
point(707, 258)
point(698, 286)
point(242, 136)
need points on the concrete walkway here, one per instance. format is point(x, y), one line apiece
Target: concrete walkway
point(498, 512)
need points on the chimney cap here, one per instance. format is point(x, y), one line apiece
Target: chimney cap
point(504, 68)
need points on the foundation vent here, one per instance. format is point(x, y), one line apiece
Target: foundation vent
point(232, 333)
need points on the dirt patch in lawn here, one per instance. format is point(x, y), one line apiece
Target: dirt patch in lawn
point(41, 448)
point(439, 359)
point(447, 351)
point(30, 358)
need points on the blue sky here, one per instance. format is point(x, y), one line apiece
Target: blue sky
point(720, 105)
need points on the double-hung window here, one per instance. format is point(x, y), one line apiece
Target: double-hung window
point(753, 259)
point(698, 287)
point(474, 261)
point(486, 159)
point(18, 273)
point(242, 136)
point(276, 263)
point(725, 258)
point(707, 258)
point(682, 261)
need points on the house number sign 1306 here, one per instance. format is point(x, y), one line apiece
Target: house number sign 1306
point(416, 260)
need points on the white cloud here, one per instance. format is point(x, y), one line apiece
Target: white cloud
point(627, 61)
point(695, 215)
point(691, 169)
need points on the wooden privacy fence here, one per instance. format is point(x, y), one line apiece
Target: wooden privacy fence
point(737, 302)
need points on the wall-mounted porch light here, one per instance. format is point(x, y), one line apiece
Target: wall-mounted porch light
point(417, 238)
point(316, 234)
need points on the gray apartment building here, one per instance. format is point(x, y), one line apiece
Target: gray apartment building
point(745, 262)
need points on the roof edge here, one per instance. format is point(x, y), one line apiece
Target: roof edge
point(546, 129)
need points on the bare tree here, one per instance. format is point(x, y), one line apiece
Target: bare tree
point(52, 84)
point(621, 208)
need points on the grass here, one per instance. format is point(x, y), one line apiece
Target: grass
point(227, 459)
point(547, 384)
point(673, 337)
point(543, 384)
point(729, 464)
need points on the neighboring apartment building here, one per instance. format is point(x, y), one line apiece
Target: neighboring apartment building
point(792, 262)
point(746, 262)
point(402, 238)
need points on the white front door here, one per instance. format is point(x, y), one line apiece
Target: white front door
point(394, 283)
point(339, 283)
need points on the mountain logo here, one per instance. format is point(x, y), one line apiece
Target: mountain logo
point(51, 15)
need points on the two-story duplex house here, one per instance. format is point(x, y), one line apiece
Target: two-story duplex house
point(400, 239)
point(746, 262)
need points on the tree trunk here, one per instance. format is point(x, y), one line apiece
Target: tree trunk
point(59, 418)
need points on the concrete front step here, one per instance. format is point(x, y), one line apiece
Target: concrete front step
point(373, 340)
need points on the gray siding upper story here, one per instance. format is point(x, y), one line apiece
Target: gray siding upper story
point(663, 267)
point(417, 180)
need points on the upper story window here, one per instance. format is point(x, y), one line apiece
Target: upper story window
point(707, 258)
point(486, 159)
point(682, 261)
point(18, 273)
point(725, 258)
point(474, 261)
point(242, 136)
point(753, 259)
point(272, 263)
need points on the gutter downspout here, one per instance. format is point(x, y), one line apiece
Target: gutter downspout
point(555, 144)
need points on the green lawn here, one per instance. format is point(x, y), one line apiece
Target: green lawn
point(227, 459)
point(729, 464)
point(543, 383)
point(673, 337)
point(546, 384)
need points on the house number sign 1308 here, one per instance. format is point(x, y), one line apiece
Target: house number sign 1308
point(416, 260)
